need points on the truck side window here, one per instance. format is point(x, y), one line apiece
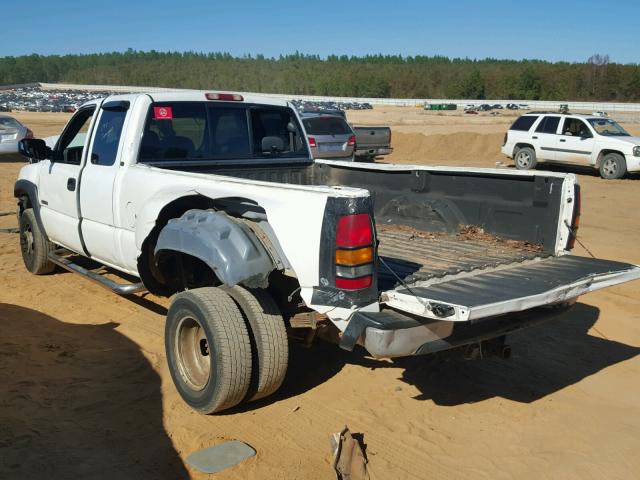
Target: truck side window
point(576, 127)
point(71, 142)
point(107, 137)
point(548, 125)
point(524, 123)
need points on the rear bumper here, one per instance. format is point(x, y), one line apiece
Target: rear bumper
point(373, 151)
point(507, 150)
point(390, 334)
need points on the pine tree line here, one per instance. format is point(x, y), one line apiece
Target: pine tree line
point(392, 76)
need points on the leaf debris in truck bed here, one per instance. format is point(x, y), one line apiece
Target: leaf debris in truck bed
point(466, 233)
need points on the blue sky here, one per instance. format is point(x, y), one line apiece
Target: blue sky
point(566, 30)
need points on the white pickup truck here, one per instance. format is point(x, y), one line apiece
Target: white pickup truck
point(214, 198)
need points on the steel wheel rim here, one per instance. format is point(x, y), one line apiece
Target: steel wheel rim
point(610, 167)
point(192, 352)
point(524, 159)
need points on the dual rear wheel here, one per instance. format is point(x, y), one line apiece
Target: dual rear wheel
point(224, 346)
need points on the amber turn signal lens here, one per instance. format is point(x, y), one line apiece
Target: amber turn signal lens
point(354, 257)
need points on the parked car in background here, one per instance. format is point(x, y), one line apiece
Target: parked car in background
point(11, 132)
point(372, 142)
point(330, 136)
point(572, 139)
point(512, 106)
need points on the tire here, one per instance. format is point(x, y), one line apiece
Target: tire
point(525, 158)
point(269, 339)
point(613, 166)
point(208, 349)
point(35, 247)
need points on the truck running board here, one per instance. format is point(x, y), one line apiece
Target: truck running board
point(119, 288)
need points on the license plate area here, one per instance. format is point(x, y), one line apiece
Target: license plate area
point(330, 147)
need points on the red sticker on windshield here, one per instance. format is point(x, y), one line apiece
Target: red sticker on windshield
point(162, 113)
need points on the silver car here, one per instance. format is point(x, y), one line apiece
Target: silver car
point(330, 136)
point(11, 132)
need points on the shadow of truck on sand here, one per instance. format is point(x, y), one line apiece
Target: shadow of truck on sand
point(78, 401)
point(546, 358)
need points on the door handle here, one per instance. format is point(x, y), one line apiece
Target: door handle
point(535, 138)
point(71, 184)
point(562, 140)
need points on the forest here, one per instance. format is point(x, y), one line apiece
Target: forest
point(392, 76)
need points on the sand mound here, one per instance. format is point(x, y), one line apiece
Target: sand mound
point(468, 147)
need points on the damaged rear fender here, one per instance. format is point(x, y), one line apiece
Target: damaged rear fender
point(228, 247)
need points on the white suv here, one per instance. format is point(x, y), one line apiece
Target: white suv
point(574, 140)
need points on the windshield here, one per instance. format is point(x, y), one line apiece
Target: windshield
point(608, 127)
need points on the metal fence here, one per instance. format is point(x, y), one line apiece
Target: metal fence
point(610, 107)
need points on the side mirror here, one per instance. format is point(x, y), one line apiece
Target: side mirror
point(34, 149)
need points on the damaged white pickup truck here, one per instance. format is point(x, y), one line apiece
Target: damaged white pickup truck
point(214, 198)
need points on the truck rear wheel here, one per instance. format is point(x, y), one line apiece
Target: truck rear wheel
point(34, 246)
point(269, 339)
point(525, 158)
point(613, 166)
point(208, 349)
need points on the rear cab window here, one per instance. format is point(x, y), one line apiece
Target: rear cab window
point(208, 131)
point(524, 123)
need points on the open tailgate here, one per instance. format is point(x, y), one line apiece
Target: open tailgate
point(478, 295)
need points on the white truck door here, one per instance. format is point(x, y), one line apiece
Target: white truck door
point(545, 138)
point(575, 143)
point(98, 179)
point(59, 181)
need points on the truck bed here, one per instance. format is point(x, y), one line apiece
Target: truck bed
point(417, 256)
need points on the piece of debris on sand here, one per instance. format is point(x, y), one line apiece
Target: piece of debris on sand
point(218, 457)
point(349, 459)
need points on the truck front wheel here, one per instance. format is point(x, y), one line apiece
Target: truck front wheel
point(613, 166)
point(34, 246)
point(208, 349)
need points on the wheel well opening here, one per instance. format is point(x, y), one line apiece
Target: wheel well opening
point(604, 153)
point(24, 201)
point(518, 146)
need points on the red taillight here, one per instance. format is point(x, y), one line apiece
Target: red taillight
point(354, 231)
point(226, 97)
point(312, 141)
point(354, 283)
point(354, 252)
point(575, 221)
point(29, 134)
point(352, 141)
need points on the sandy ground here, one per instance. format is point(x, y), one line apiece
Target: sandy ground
point(85, 391)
